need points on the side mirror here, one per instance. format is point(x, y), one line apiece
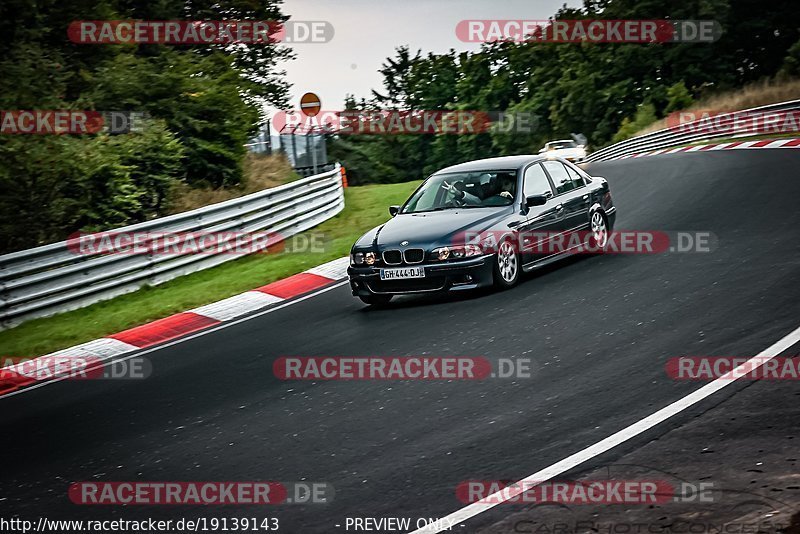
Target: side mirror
point(536, 200)
point(394, 210)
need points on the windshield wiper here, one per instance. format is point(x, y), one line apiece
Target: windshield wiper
point(439, 208)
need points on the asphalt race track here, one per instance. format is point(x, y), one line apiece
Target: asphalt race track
point(597, 329)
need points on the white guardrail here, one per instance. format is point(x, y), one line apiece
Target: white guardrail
point(734, 124)
point(53, 278)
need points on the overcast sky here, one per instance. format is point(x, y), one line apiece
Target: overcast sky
point(368, 31)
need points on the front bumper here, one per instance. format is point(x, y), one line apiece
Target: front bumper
point(439, 277)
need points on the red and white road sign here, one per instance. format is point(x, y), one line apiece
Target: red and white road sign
point(310, 104)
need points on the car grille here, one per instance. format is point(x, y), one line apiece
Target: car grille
point(414, 255)
point(416, 285)
point(392, 257)
point(410, 256)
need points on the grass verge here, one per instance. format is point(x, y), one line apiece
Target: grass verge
point(750, 96)
point(261, 171)
point(365, 207)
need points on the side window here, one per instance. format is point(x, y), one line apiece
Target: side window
point(562, 180)
point(536, 182)
point(576, 176)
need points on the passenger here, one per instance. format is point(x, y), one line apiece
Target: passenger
point(501, 190)
point(507, 186)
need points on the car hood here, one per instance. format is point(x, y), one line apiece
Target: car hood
point(433, 228)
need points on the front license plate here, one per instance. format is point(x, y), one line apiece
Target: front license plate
point(403, 272)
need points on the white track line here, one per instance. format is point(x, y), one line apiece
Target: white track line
point(613, 440)
point(199, 333)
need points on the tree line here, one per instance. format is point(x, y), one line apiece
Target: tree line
point(201, 104)
point(603, 91)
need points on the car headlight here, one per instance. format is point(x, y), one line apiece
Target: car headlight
point(370, 257)
point(472, 250)
point(457, 252)
point(357, 258)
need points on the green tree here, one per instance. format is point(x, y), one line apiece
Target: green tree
point(645, 116)
point(679, 98)
point(791, 63)
point(203, 101)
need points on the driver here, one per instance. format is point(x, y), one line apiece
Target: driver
point(461, 197)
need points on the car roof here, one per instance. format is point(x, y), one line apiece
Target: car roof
point(494, 164)
point(561, 141)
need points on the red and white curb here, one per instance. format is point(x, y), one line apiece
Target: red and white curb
point(766, 143)
point(12, 378)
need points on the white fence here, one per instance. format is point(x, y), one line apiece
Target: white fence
point(733, 124)
point(54, 278)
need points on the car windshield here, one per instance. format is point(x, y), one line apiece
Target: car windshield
point(464, 190)
point(558, 145)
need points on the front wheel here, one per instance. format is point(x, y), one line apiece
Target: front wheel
point(376, 300)
point(506, 266)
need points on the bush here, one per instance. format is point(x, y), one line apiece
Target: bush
point(645, 115)
point(678, 98)
point(56, 185)
point(154, 158)
point(791, 63)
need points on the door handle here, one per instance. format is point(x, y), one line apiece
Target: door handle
point(559, 207)
point(585, 197)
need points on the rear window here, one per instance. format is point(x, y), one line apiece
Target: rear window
point(563, 181)
point(577, 176)
point(558, 145)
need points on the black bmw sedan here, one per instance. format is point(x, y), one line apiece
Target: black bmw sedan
point(482, 223)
